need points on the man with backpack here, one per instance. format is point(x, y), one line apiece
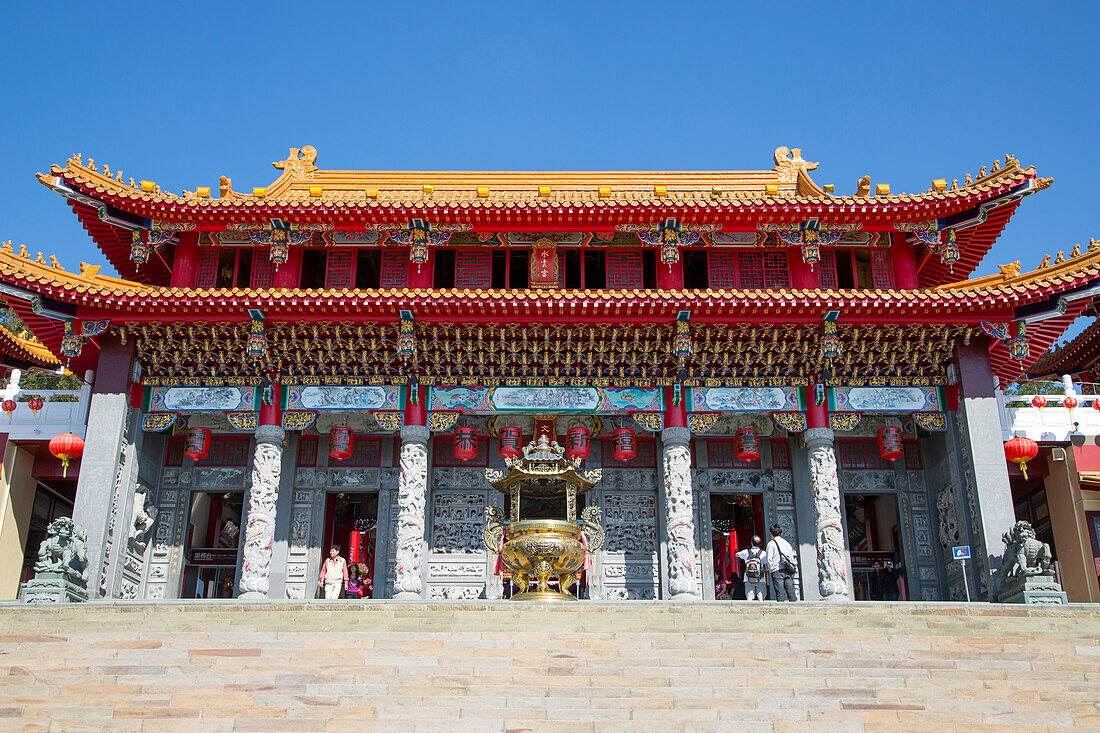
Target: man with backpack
point(782, 566)
point(756, 566)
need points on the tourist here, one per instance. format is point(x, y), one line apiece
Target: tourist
point(756, 568)
point(874, 581)
point(889, 581)
point(355, 583)
point(781, 565)
point(334, 573)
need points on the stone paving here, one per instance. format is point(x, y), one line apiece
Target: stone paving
point(586, 667)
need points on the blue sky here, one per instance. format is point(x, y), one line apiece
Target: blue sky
point(181, 93)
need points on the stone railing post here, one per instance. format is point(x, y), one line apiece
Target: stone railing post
point(832, 574)
point(263, 495)
point(412, 494)
point(680, 508)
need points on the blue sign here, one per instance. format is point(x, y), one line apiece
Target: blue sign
point(961, 553)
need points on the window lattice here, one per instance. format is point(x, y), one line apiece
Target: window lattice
point(881, 272)
point(860, 453)
point(473, 269)
point(828, 269)
point(781, 454)
point(395, 269)
point(624, 270)
point(644, 457)
point(366, 451)
point(227, 451)
point(722, 453)
point(307, 450)
point(263, 269)
point(208, 268)
point(722, 270)
point(443, 452)
point(340, 269)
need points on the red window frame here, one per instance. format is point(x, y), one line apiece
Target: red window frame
point(395, 268)
point(263, 269)
point(340, 268)
point(207, 274)
point(722, 453)
point(624, 269)
point(227, 450)
point(365, 451)
point(882, 270)
point(173, 454)
point(755, 269)
point(913, 459)
point(781, 453)
point(828, 269)
point(860, 454)
point(473, 268)
point(443, 452)
point(307, 450)
point(645, 455)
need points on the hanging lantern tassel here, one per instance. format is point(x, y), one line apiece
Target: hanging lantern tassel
point(465, 445)
point(9, 407)
point(66, 447)
point(1020, 450)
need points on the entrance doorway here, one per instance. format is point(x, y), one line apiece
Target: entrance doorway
point(874, 541)
point(734, 519)
point(213, 537)
point(351, 521)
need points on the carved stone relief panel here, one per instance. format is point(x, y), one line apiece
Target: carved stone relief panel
point(867, 482)
point(629, 559)
point(220, 478)
point(166, 551)
point(457, 561)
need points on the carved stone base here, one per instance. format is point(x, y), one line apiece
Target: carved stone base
point(1033, 589)
point(53, 588)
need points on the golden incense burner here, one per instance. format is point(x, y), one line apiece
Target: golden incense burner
point(541, 549)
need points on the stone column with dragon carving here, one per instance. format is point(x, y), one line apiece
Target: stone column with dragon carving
point(260, 515)
point(412, 496)
point(680, 508)
point(832, 565)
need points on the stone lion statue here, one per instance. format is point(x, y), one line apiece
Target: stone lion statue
point(1024, 554)
point(144, 515)
point(63, 551)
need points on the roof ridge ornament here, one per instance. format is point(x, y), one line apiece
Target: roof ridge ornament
point(300, 164)
point(789, 161)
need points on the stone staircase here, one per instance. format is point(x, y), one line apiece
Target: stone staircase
point(476, 666)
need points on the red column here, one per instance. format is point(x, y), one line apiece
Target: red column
point(802, 276)
point(670, 277)
point(903, 260)
point(422, 275)
point(817, 416)
point(675, 415)
point(414, 412)
point(289, 274)
point(185, 260)
point(271, 414)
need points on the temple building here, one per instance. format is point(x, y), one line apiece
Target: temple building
point(1059, 494)
point(339, 356)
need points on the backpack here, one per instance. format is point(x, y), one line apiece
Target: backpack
point(754, 569)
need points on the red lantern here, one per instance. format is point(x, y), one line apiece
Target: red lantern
point(889, 444)
point(36, 404)
point(65, 447)
point(465, 443)
point(509, 440)
point(353, 546)
point(1096, 405)
point(1070, 402)
point(9, 407)
point(577, 443)
point(198, 444)
point(339, 443)
point(623, 445)
point(1039, 401)
point(1020, 450)
point(747, 441)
